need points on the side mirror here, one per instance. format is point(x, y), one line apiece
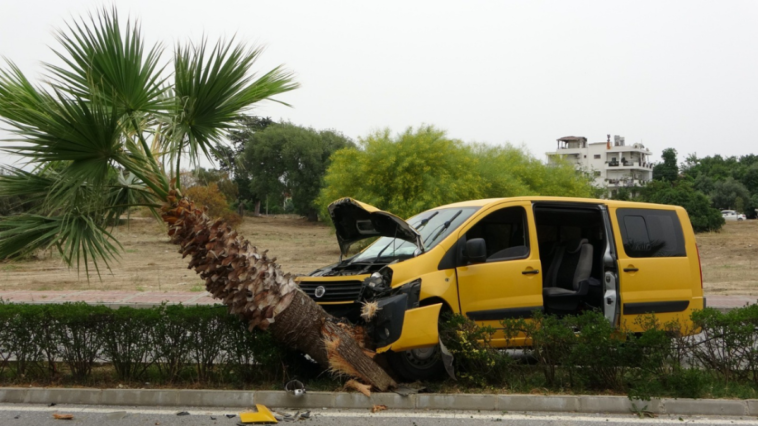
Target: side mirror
point(476, 250)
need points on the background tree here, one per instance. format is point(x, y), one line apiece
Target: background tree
point(423, 168)
point(411, 172)
point(704, 218)
point(230, 158)
point(509, 171)
point(708, 172)
point(667, 171)
point(289, 160)
point(729, 194)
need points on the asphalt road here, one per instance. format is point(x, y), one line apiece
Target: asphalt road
point(20, 414)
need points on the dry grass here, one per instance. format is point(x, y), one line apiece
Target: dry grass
point(730, 259)
point(150, 263)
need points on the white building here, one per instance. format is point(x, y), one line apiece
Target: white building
point(614, 164)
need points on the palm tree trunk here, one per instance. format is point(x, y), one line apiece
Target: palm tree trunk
point(255, 288)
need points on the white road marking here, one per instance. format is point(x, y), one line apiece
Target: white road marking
point(391, 414)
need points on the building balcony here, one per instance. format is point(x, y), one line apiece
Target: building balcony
point(625, 183)
point(631, 148)
point(630, 165)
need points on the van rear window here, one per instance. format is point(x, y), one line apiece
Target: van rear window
point(651, 233)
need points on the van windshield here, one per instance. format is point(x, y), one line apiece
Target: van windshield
point(433, 225)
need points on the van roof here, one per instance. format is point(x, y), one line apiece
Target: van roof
point(609, 203)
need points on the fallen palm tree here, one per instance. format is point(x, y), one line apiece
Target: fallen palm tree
point(85, 136)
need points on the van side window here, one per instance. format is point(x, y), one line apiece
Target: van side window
point(505, 233)
point(651, 233)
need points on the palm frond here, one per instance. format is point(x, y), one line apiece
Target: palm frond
point(79, 238)
point(212, 89)
point(32, 188)
point(24, 234)
point(17, 94)
point(86, 133)
point(102, 59)
point(129, 191)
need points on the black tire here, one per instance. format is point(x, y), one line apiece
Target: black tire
point(418, 364)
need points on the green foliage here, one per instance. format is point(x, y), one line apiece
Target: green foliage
point(731, 183)
point(165, 344)
point(78, 329)
point(423, 168)
point(130, 341)
point(84, 130)
point(231, 158)
point(585, 352)
point(729, 193)
point(508, 171)
point(729, 342)
point(204, 344)
point(288, 160)
point(668, 171)
point(476, 362)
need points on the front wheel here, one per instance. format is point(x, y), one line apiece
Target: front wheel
point(418, 364)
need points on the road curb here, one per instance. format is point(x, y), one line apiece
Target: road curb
point(343, 400)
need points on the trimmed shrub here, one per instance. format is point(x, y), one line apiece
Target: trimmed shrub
point(476, 362)
point(129, 341)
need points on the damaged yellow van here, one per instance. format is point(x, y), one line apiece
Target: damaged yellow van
point(506, 258)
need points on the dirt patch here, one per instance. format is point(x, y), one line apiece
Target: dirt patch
point(150, 263)
point(730, 259)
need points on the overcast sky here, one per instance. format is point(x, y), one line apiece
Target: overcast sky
point(676, 74)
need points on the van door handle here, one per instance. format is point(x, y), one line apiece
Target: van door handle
point(631, 269)
point(531, 271)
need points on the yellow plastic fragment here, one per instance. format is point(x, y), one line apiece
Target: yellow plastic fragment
point(263, 415)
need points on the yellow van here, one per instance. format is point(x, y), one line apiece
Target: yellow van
point(506, 258)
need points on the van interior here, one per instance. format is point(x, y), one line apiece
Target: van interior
point(572, 242)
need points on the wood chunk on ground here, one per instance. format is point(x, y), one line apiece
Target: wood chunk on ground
point(360, 387)
point(57, 416)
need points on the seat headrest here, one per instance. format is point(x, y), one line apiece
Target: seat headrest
point(572, 246)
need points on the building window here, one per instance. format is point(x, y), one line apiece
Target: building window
point(585, 156)
point(597, 156)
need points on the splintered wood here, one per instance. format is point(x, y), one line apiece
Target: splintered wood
point(360, 387)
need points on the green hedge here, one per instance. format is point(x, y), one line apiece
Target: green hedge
point(72, 342)
point(585, 353)
point(162, 344)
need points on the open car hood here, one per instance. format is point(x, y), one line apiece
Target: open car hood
point(355, 221)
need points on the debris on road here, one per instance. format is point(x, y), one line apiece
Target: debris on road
point(405, 390)
point(261, 415)
point(290, 417)
point(377, 408)
point(295, 388)
point(57, 416)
